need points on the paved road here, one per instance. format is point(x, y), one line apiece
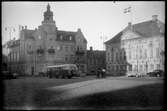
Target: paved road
point(44, 92)
point(75, 90)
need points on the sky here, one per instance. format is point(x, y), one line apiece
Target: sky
point(98, 21)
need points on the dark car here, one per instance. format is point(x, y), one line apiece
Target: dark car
point(156, 73)
point(159, 73)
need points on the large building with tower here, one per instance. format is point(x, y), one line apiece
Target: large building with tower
point(46, 45)
point(139, 48)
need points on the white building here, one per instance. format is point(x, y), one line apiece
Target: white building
point(137, 48)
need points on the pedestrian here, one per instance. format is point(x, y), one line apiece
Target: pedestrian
point(103, 73)
point(98, 73)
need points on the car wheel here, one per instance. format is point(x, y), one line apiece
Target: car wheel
point(69, 77)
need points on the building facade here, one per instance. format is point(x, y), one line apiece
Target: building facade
point(46, 45)
point(95, 59)
point(139, 48)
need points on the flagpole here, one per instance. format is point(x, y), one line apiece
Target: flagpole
point(131, 15)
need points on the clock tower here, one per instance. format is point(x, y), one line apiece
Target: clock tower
point(48, 16)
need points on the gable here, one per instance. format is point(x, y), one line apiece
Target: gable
point(129, 35)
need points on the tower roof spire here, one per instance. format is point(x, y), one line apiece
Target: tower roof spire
point(48, 7)
point(48, 15)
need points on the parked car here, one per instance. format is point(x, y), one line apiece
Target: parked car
point(15, 75)
point(156, 73)
point(132, 75)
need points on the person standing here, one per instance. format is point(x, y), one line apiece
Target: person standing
point(98, 73)
point(103, 73)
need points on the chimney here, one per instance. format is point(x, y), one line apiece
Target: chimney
point(79, 30)
point(130, 25)
point(91, 48)
point(154, 17)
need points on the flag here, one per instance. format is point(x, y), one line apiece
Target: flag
point(127, 10)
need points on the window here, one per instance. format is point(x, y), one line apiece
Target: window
point(58, 47)
point(117, 68)
point(158, 66)
point(145, 53)
point(116, 56)
point(61, 37)
point(111, 57)
point(39, 37)
point(152, 67)
point(129, 54)
point(151, 52)
point(66, 47)
point(141, 68)
point(150, 44)
point(70, 37)
point(66, 58)
point(71, 48)
point(140, 53)
point(16, 56)
point(157, 52)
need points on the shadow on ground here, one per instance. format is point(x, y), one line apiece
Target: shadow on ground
point(141, 96)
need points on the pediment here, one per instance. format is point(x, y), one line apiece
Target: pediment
point(129, 35)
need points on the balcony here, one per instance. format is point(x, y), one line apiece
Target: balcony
point(30, 52)
point(51, 51)
point(40, 51)
point(80, 52)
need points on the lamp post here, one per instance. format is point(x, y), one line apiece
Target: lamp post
point(103, 38)
point(10, 29)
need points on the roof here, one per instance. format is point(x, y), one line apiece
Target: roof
point(115, 39)
point(29, 34)
point(65, 36)
point(145, 29)
point(148, 28)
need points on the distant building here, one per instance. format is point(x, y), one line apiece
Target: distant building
point(95, 60)
point(48, 46)
point(137, 48)
point(14, 55)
